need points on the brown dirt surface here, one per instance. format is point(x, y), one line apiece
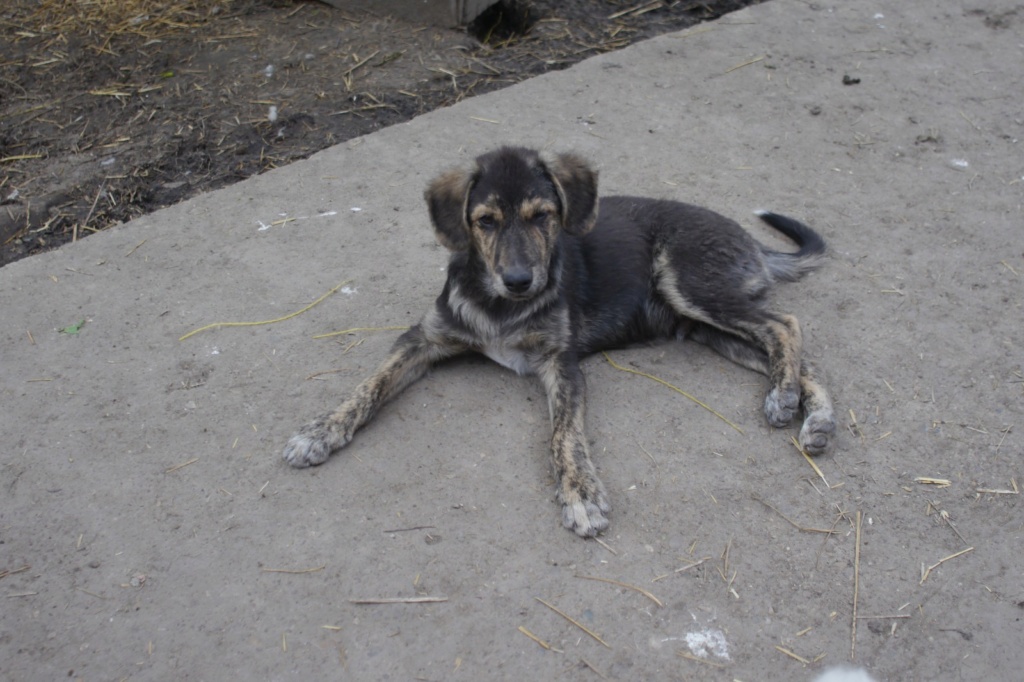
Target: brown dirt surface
point(111, 109)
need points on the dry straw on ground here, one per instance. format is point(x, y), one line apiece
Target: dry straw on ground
point(575, 622)
point(399, 600)
point(218, 325)
point(101, 21)
point(625, 585)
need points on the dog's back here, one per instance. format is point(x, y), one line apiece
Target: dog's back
point(614, 270)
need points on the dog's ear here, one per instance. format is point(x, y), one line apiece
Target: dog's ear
point(446, 200)
point(576, 184)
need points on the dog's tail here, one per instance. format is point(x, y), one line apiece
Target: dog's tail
point(792, 266)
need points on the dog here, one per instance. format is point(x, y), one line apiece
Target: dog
point(543, 273)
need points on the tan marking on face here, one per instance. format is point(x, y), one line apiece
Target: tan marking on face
point(487, 209)
point(541, 224)
point(486, 239)
point(523, 239)
point(529, 209)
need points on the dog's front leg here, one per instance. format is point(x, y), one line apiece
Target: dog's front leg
point(411, 356)
point(580, 491)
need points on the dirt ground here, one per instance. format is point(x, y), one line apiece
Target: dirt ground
point(112, 109)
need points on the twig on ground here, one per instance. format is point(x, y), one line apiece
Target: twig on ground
point(637, 10)
point(135, 248)
point(535, 638)
point(359, 63)
point(856, 588)
point(4, 574)
point(810, 461)
point(403, 530)
point(574, 622)
point(217, 325)
point(174, 468)
point(681, 569)
point(1014, 490)
point(398, 600)
point(794, 523)
point(668, 385)
point(353, 330)
point(294, 571)
point(944, 515)
point(626, 585)
point(792, 655)
point(927, 571)
point(755, 60)
point(592, 667)
point(654, 461)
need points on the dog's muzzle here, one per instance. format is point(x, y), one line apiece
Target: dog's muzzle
point(518, 283)
point(517, 280)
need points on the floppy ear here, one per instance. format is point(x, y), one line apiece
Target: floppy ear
point(576, 184)
point(446, 200)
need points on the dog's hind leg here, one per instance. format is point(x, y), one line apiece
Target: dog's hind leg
point(732, 311)
point(819, 421)
point(583, 498)
point(783, 341)
point(730, 346)
point(411, 356)
point(772, 348)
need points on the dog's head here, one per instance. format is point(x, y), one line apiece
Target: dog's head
point(510, 210)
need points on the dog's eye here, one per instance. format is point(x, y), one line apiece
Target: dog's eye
point(540, 217)
point(486, 222)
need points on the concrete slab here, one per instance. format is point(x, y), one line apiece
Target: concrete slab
point(149, 529)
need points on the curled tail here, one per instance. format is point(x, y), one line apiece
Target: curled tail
point(793, 266)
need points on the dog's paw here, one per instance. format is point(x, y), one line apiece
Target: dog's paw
point(585, 518)
point(817, 432)
point(781, 405)
point(313, 444)
point(585, 515)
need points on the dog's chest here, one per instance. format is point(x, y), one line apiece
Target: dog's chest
point(507, 354)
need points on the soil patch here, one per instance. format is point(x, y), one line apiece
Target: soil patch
point(115, 108)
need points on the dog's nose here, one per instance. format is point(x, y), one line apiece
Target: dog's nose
point(517, 280)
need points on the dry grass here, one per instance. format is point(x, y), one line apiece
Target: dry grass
point(99, 22)
point(218, 325)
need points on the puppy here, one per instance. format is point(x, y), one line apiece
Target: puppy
point(542, 273)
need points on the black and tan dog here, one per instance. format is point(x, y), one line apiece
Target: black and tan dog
point(539, 277)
